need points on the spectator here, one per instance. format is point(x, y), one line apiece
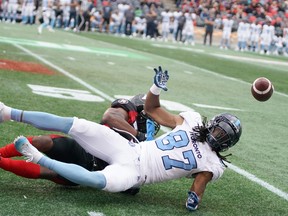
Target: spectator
point(259, 12)
point(72, 15)
point(129, 20)
point(151, 17)
point(106, 11)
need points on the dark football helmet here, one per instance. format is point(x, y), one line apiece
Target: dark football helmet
point(139, 101)
point(224, 132)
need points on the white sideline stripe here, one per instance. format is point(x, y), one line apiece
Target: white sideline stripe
point(224, 77)
point(258, 181)
point(96, 214)
point(66, 73)
point(233, 167)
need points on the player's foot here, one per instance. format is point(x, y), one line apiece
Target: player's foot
point(2, 107)
point(4, 112)
point(40, 29)
point(50, 29)
point(25, 148)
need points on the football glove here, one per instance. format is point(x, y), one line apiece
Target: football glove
point(192, 201)
point(161, 78)
point(150, 127)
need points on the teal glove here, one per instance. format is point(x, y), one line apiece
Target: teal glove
point(161, 78)
point(192, 201)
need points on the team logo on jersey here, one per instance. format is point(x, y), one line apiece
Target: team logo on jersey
point(123, 101)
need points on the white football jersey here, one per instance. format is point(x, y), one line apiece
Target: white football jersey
point(166, 16)
point(227, 24)
point(285, 35)
point(177, 154)
point(255, 30)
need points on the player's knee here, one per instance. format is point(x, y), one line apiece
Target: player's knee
point(42, 143)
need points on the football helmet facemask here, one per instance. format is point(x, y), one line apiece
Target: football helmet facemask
point(224, 132)
point(139, 101)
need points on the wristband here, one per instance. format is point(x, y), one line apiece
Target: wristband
point(155, 90)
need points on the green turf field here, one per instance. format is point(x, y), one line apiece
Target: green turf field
point(90, 70)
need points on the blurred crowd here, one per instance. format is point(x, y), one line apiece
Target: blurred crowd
point(260, 25)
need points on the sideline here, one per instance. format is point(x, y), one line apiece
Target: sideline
point(238, 170)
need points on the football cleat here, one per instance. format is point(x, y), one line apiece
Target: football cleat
point(25, 148)
point(5, 112)
point(2, 106)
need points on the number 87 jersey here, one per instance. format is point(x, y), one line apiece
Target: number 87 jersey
point(177, 154)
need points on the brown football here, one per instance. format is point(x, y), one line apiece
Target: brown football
point(262, 89)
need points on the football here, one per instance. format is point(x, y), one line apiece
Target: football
point(262, 89)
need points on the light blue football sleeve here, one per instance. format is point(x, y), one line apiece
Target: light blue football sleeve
point(75, 173)
point(43, 120)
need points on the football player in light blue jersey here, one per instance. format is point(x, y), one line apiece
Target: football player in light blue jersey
point(191, 149)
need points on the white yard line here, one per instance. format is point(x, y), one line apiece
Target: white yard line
point(66, 73)
point(238, 170)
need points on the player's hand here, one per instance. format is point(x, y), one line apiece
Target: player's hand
point(161, 78)
point(150, 128)
point(192, 201)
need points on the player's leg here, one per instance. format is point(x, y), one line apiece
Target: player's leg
point(96, 139)
point(28, 169)
point(74, 173)
point(40, 120)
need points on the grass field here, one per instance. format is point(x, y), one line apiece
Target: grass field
point(95, 69)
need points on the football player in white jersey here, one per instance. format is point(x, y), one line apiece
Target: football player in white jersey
point(140, 26)
point(191, 149)
point(243, 34)
point(28, 11)
point(255, 30)
point(122, 7)
point(4, 10)
point(48, 14)
point(96, 19)
point(266, 36)
point(188, 30)
point(227, 24)
point(285, 40)
point(12, 11)
point(165, 24)
point(65, 6)
point(114, 22)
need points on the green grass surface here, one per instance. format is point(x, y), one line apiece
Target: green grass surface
point(122, 66)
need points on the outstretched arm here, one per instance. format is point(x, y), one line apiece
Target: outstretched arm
point(152, 103)
point(197, 190)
